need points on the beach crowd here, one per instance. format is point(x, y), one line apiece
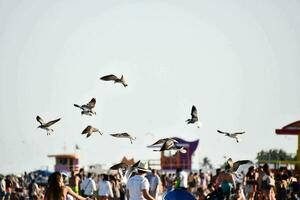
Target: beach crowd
point(259, 183)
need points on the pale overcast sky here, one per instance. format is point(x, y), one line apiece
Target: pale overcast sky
point(237, 61)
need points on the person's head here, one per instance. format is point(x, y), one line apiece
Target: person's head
point(251, 169)
point(178, 170)
point(89, 175)
point(154, 171)
point(54, 187)
point(81, 171)
point(143, 168)
point(105, 177)
point(266, 169)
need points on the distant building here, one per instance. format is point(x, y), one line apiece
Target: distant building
point(66, 162)
point(127, 161)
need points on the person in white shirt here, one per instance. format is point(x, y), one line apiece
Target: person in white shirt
point(138, 185)
point(104, 188)
point(154, 184)
point(89, 186)
point(182, 178)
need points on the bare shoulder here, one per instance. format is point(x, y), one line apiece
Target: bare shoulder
point(66, 188)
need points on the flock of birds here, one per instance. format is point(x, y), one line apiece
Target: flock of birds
point(165, 144)
point(125, 171)
point(88, 109)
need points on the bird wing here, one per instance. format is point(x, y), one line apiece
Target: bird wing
point(88, 135)
point(167, 145)
point(222, 132)
point(78, 106)
point(40, 120)
point(160, 141)
point(118, 166)
point(129, 172)
point(237, 164)
point(110, 77)
point(115, 134)
point(238, 133)
point(87, 129)
point(122, 135)
point(91, 104)
point(125, 135)
point(194, 112)
point(52, 122)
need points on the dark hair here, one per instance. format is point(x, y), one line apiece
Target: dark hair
point(266, 169)
point(178, 170)
point(54, 189)
point(105, 177)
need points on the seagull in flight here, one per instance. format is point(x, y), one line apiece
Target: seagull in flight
point(89, 130)
point(124, 135)
point(194, 117)
point(170, 144)
point(232, 135)
point(114, 78)
point(87, 109)
point(125, 172)
point(235, 165)
point(46, 126)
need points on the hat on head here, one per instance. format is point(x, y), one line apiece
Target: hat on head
point(143, 166)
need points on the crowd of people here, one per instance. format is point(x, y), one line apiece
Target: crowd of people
point(257, 183)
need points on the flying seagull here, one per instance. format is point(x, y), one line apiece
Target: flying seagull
point(123, 135)
point(89, 130)
point(161, 141)
point(46, 126)
point(170, 144)
point(87, 109)
point(194, 117)
point(114, 78)
point(232, 135)
point(235, 165)
point(126, 173)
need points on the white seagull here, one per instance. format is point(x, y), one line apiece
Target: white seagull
point(89, 130)
point(114, 78)
point(46, 126)
point(170, 144)
point(232, 135)
point(87, 109)
point(194, 117)
point(124, 135)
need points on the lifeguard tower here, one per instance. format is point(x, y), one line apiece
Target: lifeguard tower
point(66, 162)
point(291, 129)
